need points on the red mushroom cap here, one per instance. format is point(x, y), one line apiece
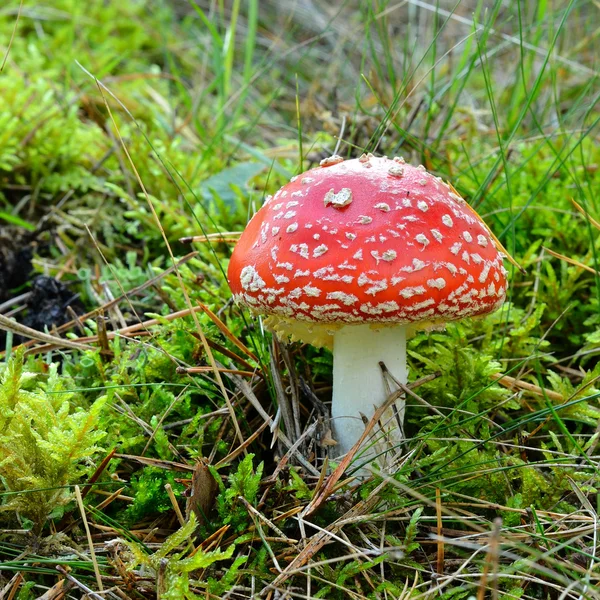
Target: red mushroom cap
point(366, 240)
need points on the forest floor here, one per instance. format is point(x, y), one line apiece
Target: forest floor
point(141, 450)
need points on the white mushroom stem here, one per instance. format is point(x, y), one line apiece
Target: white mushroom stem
point(358, 384)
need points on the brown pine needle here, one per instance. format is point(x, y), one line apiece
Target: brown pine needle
point(571, 261)
point(173, 500)
point(193, 370)
point(10, 325)
point(219, 236)
point(225, 331)
point(89, 538)
point(511, 382)
point(440, 543)
point(585, 213)
point(12, 36)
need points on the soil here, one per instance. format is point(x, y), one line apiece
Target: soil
point(16, 251)
point(49, 299)
point(48, 304)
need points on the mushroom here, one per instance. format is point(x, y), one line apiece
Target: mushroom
point(354, 253)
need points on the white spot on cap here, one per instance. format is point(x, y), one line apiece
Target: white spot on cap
point(482, 241)
point(274, 231)
point(422, 239)
point(301, 249)
point(320, 250)
point(422, 205)
point(396, 171)
point(421, 305)
point(484, 273)
point(347, 299)
point(388, 255)
point(436, 234)
point(468, 237)
point(300, 273)
point(451, 267)
point(350, 236)
point(455, 249)
point(364, 220)
point(342, 198)
point(439, 283)
point(290, 214)
point(291, 228)
point(423, 182)
point(409, 292)
point(376, 285)
point(331, 160)
point(306, 180)
point(251, 280)
point(447, 221)
point(382, 307)
point(312, 291)
point(383, 206)
point(347, 265)
point(416, 265)
point(358, 255)
point(282, 279)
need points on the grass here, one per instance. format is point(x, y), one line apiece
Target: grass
point(127, 126)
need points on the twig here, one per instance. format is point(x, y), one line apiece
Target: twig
point(9, 325)
point(318, 540)
point(491, 563)
point(13, 301)
point(282, 398)
point(89, 537)
point(173, 500)
point(12, 586)
point(12, 36)
point(78, 583)
point(440, 543)
point(219, 236)
point(511, 382)
point(246, 390)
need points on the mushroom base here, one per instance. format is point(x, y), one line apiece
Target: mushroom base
point(359, 388)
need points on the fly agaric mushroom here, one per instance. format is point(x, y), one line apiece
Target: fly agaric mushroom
point(352, 254)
